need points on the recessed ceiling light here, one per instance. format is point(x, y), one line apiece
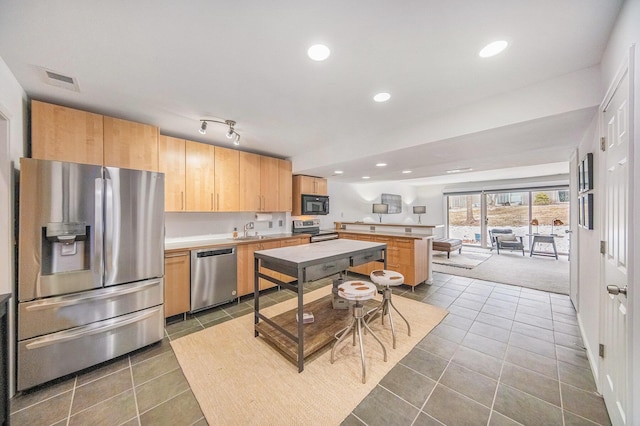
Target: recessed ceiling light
point(492, 49)
point(338, 172)
point(406, 172)
point(365, 177)
point(468, 169)
point(381, 164)
point(382, 97)
point(318, 52)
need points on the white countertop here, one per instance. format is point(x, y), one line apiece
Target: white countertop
point(309, 253)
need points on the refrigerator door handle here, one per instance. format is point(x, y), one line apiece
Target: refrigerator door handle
point(98, 230)
point(77, 300)
point(109, 226)
point(65, 336)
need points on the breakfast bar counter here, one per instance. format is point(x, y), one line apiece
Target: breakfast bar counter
point(307, 262)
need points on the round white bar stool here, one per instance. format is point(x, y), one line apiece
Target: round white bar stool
point(357, 291)
point(388, 279)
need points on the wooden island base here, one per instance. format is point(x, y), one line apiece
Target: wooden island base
point(317, 335)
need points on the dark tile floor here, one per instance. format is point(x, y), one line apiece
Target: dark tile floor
point(504, 355)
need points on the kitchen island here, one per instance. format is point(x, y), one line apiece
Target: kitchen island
point(307, 262)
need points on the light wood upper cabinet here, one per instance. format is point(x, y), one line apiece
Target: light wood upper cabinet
point(130, 145)
point(200, 183)
point(285, 186)
point(171, 162)
point(269, 192)
point(177, 283)
point(227, 180)
point(306, 185)
point(66, 134)
point(250, 199)
point(310, 185)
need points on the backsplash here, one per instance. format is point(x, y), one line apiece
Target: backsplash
point(180, 225)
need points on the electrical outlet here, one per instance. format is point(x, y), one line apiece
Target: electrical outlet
point(280, 222)
point(270, 224)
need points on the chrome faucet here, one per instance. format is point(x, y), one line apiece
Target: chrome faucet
point(247, 227)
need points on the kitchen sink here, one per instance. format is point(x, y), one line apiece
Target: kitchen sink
point(251, 237)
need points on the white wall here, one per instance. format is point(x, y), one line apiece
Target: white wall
point(220, 225)
point(13, 101)
point(625, 33)
point(350, 202)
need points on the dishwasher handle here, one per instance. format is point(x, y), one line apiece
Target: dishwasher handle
point(216, 252)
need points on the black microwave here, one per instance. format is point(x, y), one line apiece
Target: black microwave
point(315, 204)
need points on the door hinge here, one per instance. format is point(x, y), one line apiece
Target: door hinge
point(603, 247)
point(601, 350)
point(603, 144)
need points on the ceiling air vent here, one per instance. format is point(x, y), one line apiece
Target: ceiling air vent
point(59, 80)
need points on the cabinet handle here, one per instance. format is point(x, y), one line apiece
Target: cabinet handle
point(218, 201)
point(182, 199)
point(212, 205)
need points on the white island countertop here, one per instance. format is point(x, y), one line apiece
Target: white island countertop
point(325, 251)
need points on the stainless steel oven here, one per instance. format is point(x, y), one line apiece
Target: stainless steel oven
point(312, 227)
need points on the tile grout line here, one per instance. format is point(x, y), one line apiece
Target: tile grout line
point(73, 394)
point(135, 396)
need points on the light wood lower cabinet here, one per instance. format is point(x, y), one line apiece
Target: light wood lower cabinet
point(246, 264)
point(407, 255)
point(177, 282)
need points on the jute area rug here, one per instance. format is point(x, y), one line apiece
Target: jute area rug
point(465, 260)
point(239, 379)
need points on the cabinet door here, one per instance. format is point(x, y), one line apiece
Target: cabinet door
point(250, 199)
point(264, 284)
point(227, 180)
point(321, 186)
point(285, 186)
point(245, 268)
point(171, 162)
point(130, 145)
point(269, 183)
point(65, 134)
point(200, 188)
point(177, 283)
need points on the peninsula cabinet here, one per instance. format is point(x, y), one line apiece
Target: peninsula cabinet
point(177, 282)
point(410, 256)
point(65, 134)
point(200, 184)
point(171, 162)
point(130, 145)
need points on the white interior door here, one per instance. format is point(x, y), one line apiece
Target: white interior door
point(615, 364)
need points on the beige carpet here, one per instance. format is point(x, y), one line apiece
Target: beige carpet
point(466, 260)
point(239, 379)
point(537, 272)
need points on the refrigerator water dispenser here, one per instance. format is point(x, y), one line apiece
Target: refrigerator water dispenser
point(65, 248)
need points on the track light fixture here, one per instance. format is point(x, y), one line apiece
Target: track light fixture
point(231, 133)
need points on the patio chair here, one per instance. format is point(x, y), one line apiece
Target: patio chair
point(505, 239)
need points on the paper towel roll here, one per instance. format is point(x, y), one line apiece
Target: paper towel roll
point(263, 217)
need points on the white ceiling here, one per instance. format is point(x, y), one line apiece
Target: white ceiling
point(171, 63)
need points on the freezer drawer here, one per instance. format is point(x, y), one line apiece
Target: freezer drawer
point(45, 358)
point(74, 310)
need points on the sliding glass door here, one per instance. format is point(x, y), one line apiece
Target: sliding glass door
point(464, 218)
point(470, 216)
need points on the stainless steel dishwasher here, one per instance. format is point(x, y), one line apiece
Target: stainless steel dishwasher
point(214, 274)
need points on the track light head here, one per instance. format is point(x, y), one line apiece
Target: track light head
point(231, 133)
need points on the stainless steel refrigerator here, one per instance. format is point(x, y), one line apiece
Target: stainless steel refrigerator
point(91, 263)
